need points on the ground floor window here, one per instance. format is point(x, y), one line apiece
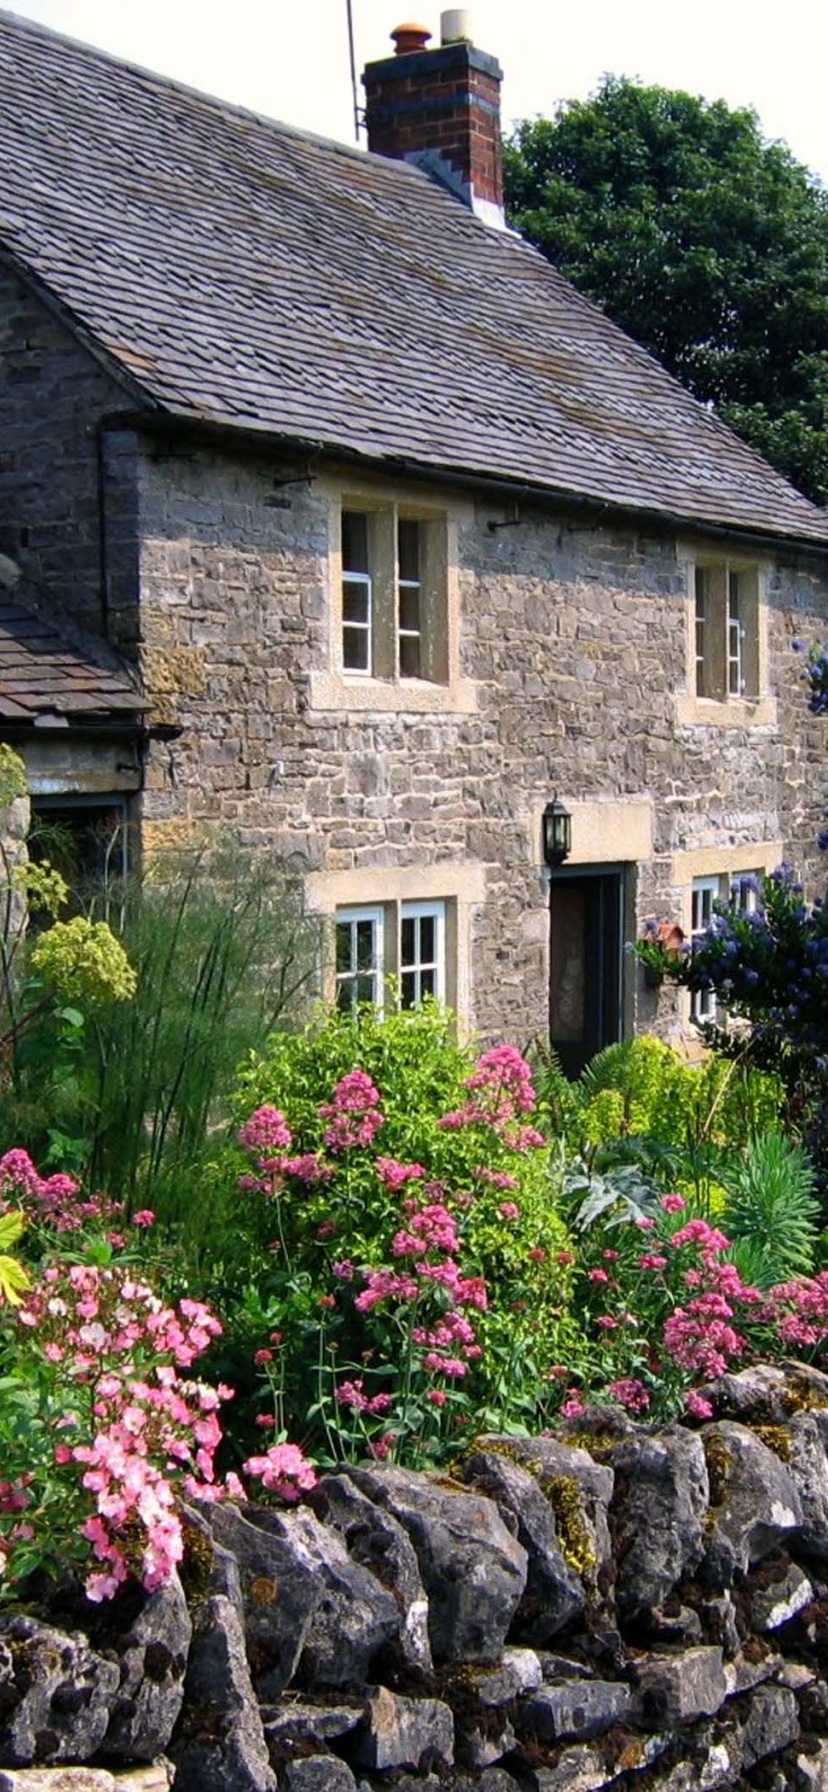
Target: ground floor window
point(85, 838)
point(402, 939)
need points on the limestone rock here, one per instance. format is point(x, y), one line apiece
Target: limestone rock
point(519, 1671)
point(477, 1748)
point(582, 1708)
point(280, 1593)
point(473, 1569)
point(554, 1593)
point(220, 1746)
point(657, 1516)
point(754, 1505)
point(57, 1696)
point(806, 1457)
point(772, 1723)
point(560, 1468)
point(56, 1779)
point(153, 1662)
point(354, 1619)
point(811, 1770)
point(676, 1688)
point(375, 1539)
point(398, 1732)
point(774, 1602)
point(318, 1773)
point(289, 1725)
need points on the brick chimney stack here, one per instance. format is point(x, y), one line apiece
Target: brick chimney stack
point(440, 108)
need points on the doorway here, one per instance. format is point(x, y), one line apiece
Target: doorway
point(586, 910)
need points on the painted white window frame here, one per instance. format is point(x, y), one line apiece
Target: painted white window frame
point(416, 912)
point(703, 1004)
point(375, 914)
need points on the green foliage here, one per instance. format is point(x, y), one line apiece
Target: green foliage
point(14, 1279)
point(222, 956)
point(770, 1211)
point(641, 1089)
point(83, 962)
point(291, 1258)
point(708, 244)
point(12, 776)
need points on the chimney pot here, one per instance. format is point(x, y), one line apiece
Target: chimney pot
point(408, 39)
point(456, 26)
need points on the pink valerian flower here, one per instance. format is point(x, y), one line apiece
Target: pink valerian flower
point(354, 1112)
point(652, 1260)
point(672, 1203)
point(630, 1392)
point(572, 1405)
point(606, 1322)
point(436, 1396)
point(508, 1210)
point(597, 1275)
point(57, 1201)
point(430, 1228)
point(310, 1167)
point(284, 1470)
point(144, 1217)
point(343, 1269)
point(383, 1284)
point(395, 1175)
point(697, 1405)
point(700, 1233)
point(265, 1130)
point(500, 1091)
point(699, 1338)
point(496, 1178)
point(352, 1394)
point(381, 1447)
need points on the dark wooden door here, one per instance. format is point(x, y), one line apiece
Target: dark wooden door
point(585, 925)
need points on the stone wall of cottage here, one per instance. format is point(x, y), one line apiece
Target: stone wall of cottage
point(56, 457)
point(574, 636)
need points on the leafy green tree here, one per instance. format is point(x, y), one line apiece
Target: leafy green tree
point(707, 243)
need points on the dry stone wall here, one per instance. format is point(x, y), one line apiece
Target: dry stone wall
point(636, 1608)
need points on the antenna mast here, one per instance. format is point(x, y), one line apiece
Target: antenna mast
point(354, 94)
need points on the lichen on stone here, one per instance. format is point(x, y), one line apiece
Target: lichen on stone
point(564, 1496)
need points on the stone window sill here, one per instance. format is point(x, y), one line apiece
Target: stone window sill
point(408, 696)
point(735, 712)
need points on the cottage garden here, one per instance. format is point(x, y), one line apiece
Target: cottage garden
point(363, 1240)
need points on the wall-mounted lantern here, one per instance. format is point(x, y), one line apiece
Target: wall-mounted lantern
point(557, 834)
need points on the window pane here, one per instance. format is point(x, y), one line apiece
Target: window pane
point(365, 946)
point(408, 989)
point(410, 608)
point(354, 541)
point(408, 939)
point(428, 946)
point(344, 961)
point(355, 649)
point(366, 989)
point(409, 656)
point(428, 983)
point(408, 550)
point(356, 601)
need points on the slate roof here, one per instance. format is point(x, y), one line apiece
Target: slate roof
point(245, 273)
point(47, 670)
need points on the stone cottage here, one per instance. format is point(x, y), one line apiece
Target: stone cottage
point(331, 515)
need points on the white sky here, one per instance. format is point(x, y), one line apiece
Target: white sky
point(289, 58)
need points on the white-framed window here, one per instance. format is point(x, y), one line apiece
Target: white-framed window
point(744, 888)
point(705, 892)
point(726, 621)
point(357, 617)
point(360, 956)
point(394, 604)
point(376, 941)
point(422, 952)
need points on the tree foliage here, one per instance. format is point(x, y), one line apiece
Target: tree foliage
point(707, 243)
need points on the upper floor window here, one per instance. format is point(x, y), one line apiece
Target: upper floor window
point(726, 631)
point(394, 595)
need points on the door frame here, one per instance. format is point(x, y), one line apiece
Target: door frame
point(613, 1017)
